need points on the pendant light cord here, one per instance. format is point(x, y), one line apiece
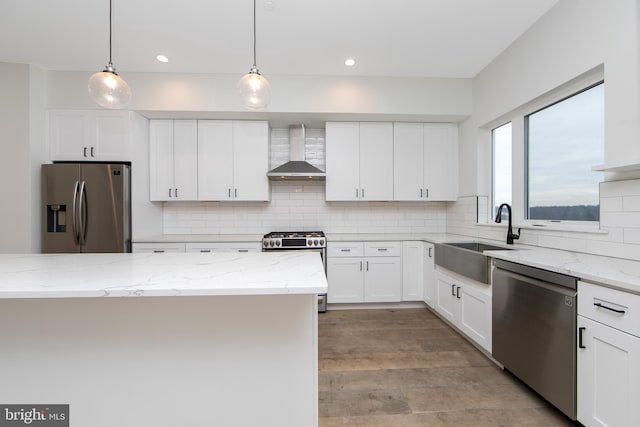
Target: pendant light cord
point(254, 33)
point(110, 28)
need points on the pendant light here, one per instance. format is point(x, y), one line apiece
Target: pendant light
point(107, 88)
point(253, 88)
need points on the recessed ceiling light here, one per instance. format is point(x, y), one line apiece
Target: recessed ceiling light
point(350, 62)
point(162, 58)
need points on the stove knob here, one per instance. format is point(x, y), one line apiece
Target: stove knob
point(271, 243)
point(315, 242)
point(277, 242)
point(265, 244)
point(321, 242)
point(309, 242)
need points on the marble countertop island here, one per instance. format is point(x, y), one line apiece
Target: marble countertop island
point(181, 274)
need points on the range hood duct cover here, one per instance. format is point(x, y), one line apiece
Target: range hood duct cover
point(297, 167)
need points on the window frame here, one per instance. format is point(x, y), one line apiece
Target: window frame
point(516, 116)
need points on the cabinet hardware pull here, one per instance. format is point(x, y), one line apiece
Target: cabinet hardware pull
point(453, 290)
point(158, 251)
point(169, 192)
point(458, 292)
point(421, 193)
point(243, 250)
point(92, 149)
point(356, 193)
point(360, 265)
point(345, 250)
point(229, 193)
point(205, 251)
point(580, 331)
point(430, 256)
point(363, 193)
point(597, 304)
point(235, 193)
point(382, 249)
point(84, 151)
point(427, 193)
point(367, 265)
point(176, 192)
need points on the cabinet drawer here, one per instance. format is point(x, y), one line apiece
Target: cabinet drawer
point(224, 247)
point(157, 247)
point(382, 248)
point(345, 249)
point(620, 310)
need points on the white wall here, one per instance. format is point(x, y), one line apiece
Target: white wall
point(15, 173)
point(572, 39)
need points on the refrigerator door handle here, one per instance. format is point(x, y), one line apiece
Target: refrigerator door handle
point(82, 214)
point(74, 215)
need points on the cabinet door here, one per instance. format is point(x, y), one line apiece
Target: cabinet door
point(441, 161)
point(474, 314)
point(412, 271)
point(376, 161)
point(383, 279)
point(251, 160)
point(445, 301)
point(111, 136)
point(429, 271)
point(408, 158)
point(68, 135)
point(608, 389)
point(161, 159)
point(185, 152)
point(215, 154)
point(346, 280)
point(342, 160)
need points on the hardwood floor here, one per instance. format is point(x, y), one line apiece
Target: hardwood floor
point(408, 368)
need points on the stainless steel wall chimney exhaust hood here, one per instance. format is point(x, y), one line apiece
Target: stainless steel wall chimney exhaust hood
point(297, 167)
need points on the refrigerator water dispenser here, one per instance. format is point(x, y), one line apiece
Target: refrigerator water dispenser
point(56, 218)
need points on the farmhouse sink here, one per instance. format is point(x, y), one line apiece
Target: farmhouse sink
point(467, 259)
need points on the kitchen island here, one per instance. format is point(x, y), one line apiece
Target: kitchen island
point(163, 339)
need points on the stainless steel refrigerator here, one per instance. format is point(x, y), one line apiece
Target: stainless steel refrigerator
point(86, 207)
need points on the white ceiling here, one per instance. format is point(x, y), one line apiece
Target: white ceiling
point(402, 38)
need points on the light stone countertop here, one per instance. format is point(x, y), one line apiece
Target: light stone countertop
point(611, 272)
point(170, 274)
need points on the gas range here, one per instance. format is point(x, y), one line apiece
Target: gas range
point(294, 240)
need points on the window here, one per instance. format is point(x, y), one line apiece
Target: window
point(563, 141)
point(501, 179)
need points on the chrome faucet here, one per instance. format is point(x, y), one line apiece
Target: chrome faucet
point(510, 236)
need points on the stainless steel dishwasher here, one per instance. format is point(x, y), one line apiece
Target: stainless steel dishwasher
point(534, 330)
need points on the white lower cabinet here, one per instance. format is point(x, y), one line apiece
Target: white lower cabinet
point(418, 282)
point(241, 247)
point(466, 304)
point(608, 391)
point(157, 247)
point(364, 272)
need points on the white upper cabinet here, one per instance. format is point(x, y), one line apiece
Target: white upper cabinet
point(359, 160)
point(173, 162)
point(90, 135)
point(233, 160)
point(425, 161)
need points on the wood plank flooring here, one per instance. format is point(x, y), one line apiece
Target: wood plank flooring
point(408, 368)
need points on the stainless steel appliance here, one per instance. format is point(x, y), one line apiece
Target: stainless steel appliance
point(534, 330)
point(86, 207)
point(314, 241)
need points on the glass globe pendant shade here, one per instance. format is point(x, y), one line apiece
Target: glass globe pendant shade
point(254, 90)
point(108, 90)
